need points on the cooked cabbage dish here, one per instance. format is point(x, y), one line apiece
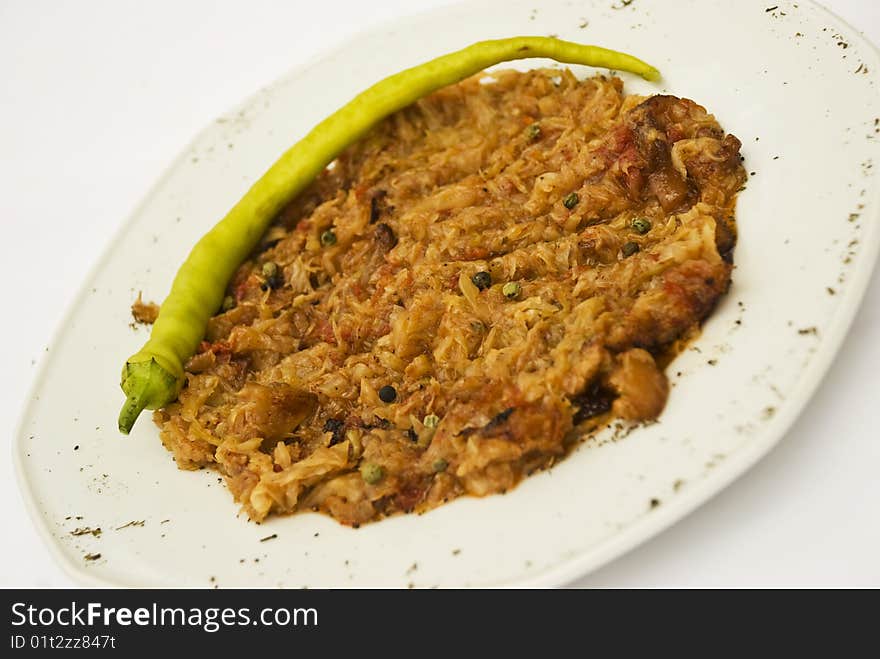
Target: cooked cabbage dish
point(488, 277)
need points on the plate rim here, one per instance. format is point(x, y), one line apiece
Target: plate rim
point(565, 570)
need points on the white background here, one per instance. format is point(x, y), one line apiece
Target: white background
point(98, 97)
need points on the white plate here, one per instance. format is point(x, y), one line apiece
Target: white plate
point(796, 85)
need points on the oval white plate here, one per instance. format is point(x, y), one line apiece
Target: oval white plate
point(795, 84)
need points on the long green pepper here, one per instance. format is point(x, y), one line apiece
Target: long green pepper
point(153, 376)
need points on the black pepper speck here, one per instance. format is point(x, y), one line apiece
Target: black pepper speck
point(387, 394)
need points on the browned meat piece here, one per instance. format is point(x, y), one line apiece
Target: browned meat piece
point(640, 386)
point(271, 412)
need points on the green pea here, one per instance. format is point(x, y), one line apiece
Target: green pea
point(533, 132)
point(511, 290)
point(272, 277)
point(439, 465)
point(371, 472)
point(571, 200)
point(641, 225)
point(328, 238)
point(629, 248)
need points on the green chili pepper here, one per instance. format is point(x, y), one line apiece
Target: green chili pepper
point(153, 376)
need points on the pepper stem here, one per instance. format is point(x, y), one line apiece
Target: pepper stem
point(147, 386)
point(134, 404)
